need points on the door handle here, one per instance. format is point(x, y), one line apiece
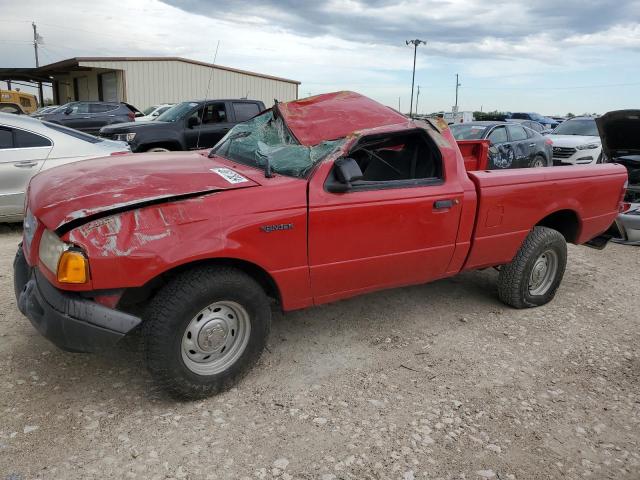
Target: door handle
point(443, 204)
point(532, 144)
point(25, 164)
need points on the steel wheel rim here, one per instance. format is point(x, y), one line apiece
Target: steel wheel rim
point(538, 163)
point(215, 338)
point(543, 273)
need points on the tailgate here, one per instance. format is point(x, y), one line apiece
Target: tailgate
point(475, 154)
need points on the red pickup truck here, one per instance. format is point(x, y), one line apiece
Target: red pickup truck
point(309, 202)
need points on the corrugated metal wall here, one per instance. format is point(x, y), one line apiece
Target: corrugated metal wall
point(150, 82)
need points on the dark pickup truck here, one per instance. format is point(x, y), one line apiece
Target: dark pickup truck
point(186, 126)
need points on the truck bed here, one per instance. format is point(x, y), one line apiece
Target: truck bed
point(510, 201)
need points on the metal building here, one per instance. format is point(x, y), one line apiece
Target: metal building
point(146, 81)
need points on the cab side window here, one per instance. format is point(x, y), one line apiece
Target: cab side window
point(211, 113)
point(397, 158)
point(80, 108)
point(102, 107)
point(6, 138)
point(23, 139)
point(498, 135)
point(517, 133)
point(245, 110)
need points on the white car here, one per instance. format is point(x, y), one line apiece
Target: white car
point(576, 142)
point(29, 145)
point(154, 112)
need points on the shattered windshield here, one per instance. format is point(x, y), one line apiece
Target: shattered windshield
point(266, 139)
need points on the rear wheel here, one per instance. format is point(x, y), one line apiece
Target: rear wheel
point(533, 276)
point(538, 161)
point(204, 330)
point(158, 149)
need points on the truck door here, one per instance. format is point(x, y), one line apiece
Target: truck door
point(213, 124)
point(523, 146)
point(501, 153)
point(397, 226)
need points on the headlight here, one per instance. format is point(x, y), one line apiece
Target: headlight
point(124, 137)
point(29, 227)
point(68, 264)
point(588, 146)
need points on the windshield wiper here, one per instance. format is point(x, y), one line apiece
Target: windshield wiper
point(267, 164)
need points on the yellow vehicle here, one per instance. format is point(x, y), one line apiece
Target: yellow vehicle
point(28, 102)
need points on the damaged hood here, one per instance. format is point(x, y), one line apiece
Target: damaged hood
point(91, 188)
point(335, 115)
point(620, 133)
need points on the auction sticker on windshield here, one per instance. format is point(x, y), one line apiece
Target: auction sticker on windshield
point(229, 175)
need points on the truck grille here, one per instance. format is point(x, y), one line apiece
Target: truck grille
point(563, 152)
point(108, 136)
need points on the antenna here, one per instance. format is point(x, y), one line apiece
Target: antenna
point(206, 96)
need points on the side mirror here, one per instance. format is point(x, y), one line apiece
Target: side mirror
point(346, 171)
point(68, 111)
point(193, 121)
point(139, 114)
point(155, 114)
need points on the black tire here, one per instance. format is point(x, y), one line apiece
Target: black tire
point(513, 281)
point(172, 309)
point(538, 159)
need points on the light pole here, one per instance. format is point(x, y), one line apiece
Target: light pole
point(458, 84)
point(417, 99)
point(415, 44)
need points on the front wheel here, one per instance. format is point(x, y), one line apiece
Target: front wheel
point(533, 276)
point(158, 149)
point(204, 330)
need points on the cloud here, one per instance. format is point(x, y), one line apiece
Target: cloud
point(502, 24)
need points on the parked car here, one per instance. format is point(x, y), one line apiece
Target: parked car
point(89, 117)
point(310, 202)
point(620, 134)
point(186, 126)
point(13, 108)
point(44, 110)
point(28, 146)
point(536, 117)
point(576, 142)
point(154, 112)
point(512, 145)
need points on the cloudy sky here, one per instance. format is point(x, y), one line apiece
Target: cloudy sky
point(548, 56)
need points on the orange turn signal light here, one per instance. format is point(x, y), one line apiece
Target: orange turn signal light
point(72, 267)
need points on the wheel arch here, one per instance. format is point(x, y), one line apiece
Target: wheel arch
point(137, 295)
point(564, 221)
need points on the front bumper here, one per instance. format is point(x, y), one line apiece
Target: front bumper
point(68, 320)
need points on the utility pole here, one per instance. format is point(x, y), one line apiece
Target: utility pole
point(415, 44)
point(458, 84)
point(37, 39)
point(417, 99)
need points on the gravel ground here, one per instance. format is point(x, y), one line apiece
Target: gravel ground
point(434, 381)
